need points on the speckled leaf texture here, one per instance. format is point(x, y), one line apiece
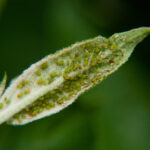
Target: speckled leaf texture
point(56, 81)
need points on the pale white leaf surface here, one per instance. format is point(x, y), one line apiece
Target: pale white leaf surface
point(56, 81)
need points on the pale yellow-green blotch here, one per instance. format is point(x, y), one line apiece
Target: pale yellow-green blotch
point(56, 81)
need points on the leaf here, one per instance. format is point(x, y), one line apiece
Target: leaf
point(56, 81)
point(3, 84)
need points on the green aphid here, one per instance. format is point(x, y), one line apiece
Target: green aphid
point(85, 76)
point(60, 101)
point(74, 60)
point(87, 54)
point(105, 45)
point(68, 62)
point(41, 98)
point(98, 70)
point(34, 113)
point(76, 66)
point(19, 120)
point(20, 95)
point(55, 98)
point(40, 81)
point(27, 91)
point(6, 100)
point(23, 116)
point(63, 97)
point(85, 63)
point(96, 50)
point(78, 88)
point(43, 105)
point(91, 69)
point(112, 47)
point(72, 93)
point(94, 79)
point(67, 98)
point(53, 92)
point(77, 54)
point(99, 60)
point(38, 72)
point(79, 59)
point(80, 75)
point(44, 82)
point(60, 73)
point(64, 54)
point(69, 69)
point(82, 82)
point(51, 104)
point(99, 78)
point(41, 110)
point(48, 107)
point(44, 65)
point(66, 77)
point(1, 105)
point(28, 81)
point(93, 61)
point(60, 62)
point(21, 84)
point(50, 80)
point(77, 84)
point(54, 74)
point(88, 45)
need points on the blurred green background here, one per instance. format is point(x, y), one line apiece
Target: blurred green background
point(114, 115)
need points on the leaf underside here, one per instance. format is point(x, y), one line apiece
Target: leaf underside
point(54, 82)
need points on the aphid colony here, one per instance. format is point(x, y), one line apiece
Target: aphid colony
point(53, 83)
point(88, 65)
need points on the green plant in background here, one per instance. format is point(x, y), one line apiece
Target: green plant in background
point(2, 4)
point(57, 80)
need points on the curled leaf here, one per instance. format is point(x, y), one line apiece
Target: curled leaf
point(56, 81)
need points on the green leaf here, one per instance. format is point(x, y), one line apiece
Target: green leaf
point(56, 81)
point(3, 84)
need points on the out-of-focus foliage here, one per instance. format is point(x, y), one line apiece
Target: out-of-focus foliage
point(2, 4)
point(115, 114)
